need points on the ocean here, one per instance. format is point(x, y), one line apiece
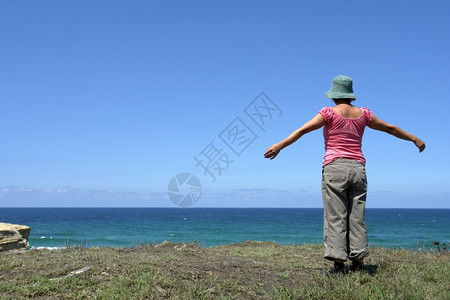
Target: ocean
point(127, 227)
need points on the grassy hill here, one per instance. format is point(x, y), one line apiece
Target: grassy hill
point(250, 270)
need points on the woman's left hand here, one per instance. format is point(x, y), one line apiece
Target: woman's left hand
point(273, 151)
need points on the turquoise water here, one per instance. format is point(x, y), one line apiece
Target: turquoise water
point(59, 227)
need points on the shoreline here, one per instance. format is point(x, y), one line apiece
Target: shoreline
point(432, 247)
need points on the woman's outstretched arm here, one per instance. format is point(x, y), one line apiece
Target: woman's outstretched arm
point(380, 125)
point(315, 123)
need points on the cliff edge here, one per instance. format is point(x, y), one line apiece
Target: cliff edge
point(14, 237)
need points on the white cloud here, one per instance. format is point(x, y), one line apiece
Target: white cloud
point(76, 197)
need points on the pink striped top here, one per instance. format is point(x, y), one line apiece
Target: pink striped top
point(343, 136)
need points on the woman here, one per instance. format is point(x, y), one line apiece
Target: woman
point(344, 183)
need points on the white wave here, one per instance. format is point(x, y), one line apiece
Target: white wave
point(49, 248)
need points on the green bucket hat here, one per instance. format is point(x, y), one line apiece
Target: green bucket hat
point(341, 88)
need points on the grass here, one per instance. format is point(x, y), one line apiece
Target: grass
point(250, 270)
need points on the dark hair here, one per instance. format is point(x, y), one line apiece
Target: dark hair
point(342, 101)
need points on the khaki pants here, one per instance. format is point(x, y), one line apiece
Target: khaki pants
point(344, 190)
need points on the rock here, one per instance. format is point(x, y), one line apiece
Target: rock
point(164, 244)
point(76, 272)
point(180, 247)
point(13, 237)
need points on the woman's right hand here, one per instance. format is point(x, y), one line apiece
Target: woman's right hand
point(419, 144)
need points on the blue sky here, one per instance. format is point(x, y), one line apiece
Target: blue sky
point(104, 102)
